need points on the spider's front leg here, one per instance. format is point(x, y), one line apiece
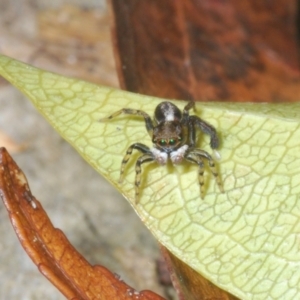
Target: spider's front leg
point(138, 146)
point(185, 121)
point(206, 128)
point(146, 157)
point(185, 112)
point(196, 156)
point(130, 111)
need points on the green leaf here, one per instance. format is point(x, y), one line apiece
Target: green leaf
point(246, 240)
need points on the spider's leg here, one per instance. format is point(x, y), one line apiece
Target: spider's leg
point(129, 111)
point(191, 134)
point(144, 158)
point(191, 104)
point(206, 128)
point(185, 121)
point(141, 147)
point(211, 163)
point(197, 160)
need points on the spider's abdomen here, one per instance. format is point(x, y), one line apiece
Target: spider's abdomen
point(167, 111)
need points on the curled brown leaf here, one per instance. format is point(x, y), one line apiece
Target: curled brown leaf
point(49, 248)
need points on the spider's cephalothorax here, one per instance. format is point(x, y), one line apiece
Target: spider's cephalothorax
point(173, 134)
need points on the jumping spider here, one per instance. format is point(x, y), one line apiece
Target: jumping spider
point(173, 134)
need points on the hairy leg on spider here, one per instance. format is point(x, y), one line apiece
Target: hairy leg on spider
point(203, 154)
point(191, 135)
point(190, 122)
point(142, 159)
point(197, 160)
point(136, 112)
point(138, 146)
point(191, 104)
point(185, 112)
point(207, 129)
point(185, 120)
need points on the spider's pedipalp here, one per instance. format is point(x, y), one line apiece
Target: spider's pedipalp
point(178, 155)
point(160, 156)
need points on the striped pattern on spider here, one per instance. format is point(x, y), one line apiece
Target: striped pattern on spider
point(173, 134)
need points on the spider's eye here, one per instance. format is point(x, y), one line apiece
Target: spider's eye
point(162, 142)
point(172, 142)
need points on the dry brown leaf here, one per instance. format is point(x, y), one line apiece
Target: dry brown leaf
point(49, 248)
point(191, 285)
point(208, 50)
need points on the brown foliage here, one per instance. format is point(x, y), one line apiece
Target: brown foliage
point(191, 285)
point(208, 50)
point(49, 248)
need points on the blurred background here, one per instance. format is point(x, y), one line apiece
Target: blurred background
point(72, 38)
